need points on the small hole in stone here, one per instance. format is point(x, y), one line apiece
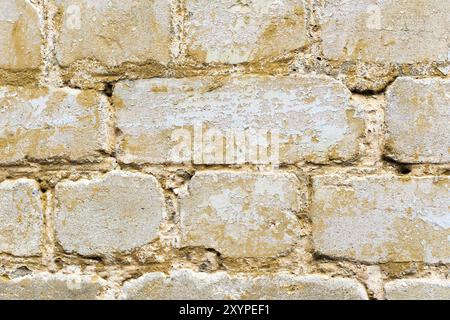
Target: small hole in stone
point(404, 170)
point(43, 186)
point(108, 90)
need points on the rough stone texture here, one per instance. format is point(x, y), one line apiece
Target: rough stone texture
point(21, 218)
point(113, 32)
point(385, 31)
point(186, 284)
point(233, 32)
point(418, 289)
point(288, 287)
point(300, 146)
point(417, 119)
point(382, 218)
point(116, 213)
point(182, 284)
point(46, 286)
point(313, 116)
point(241, 214)
point(20, 36)
point(48, 124)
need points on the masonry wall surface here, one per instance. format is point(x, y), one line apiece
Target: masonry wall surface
point(227, 149)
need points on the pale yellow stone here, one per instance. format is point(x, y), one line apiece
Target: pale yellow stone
point(242, 214)
point(114, 32)
point(46, 286)
point(417, 120)
point(187, 285)
point(312, 117)
point(47, 124)
point(418, 289)
point(116, 213)
point(21, 218)
point(313, 287)
point(181, 285)
point(20, 36)
point(232, 32)
point(382, 218)
point(390, 31)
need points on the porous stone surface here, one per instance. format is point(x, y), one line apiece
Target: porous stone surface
point(50, 124)
point(47, 286)
point(20, 36)
point(241, 215)
point(418, 289)
point(21, 217)
point(113, 32)
point(187, 285)
point(115, 213)
point(234, 32)
point(232, 149)
point(385, 31)
point(181, 284)
point(417, 118)
point(312, 117)
point(382, 218)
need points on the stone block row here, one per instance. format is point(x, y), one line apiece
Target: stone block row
point(187, 285)
point(225, 32)
point(374, 219)
point(236, 120)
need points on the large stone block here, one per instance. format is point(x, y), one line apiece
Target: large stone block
point(187, 285)
point(242, 214)
point(116, 213)
point(21, 217)
point(417, 118)
point(382, 218)
point(50, 124)
point(247, 119)
point(390, 31)
point(233, 32)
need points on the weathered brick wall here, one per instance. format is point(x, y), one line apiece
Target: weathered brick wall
point(259, 149)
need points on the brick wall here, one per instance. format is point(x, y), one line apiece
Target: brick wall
point(251, 149)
